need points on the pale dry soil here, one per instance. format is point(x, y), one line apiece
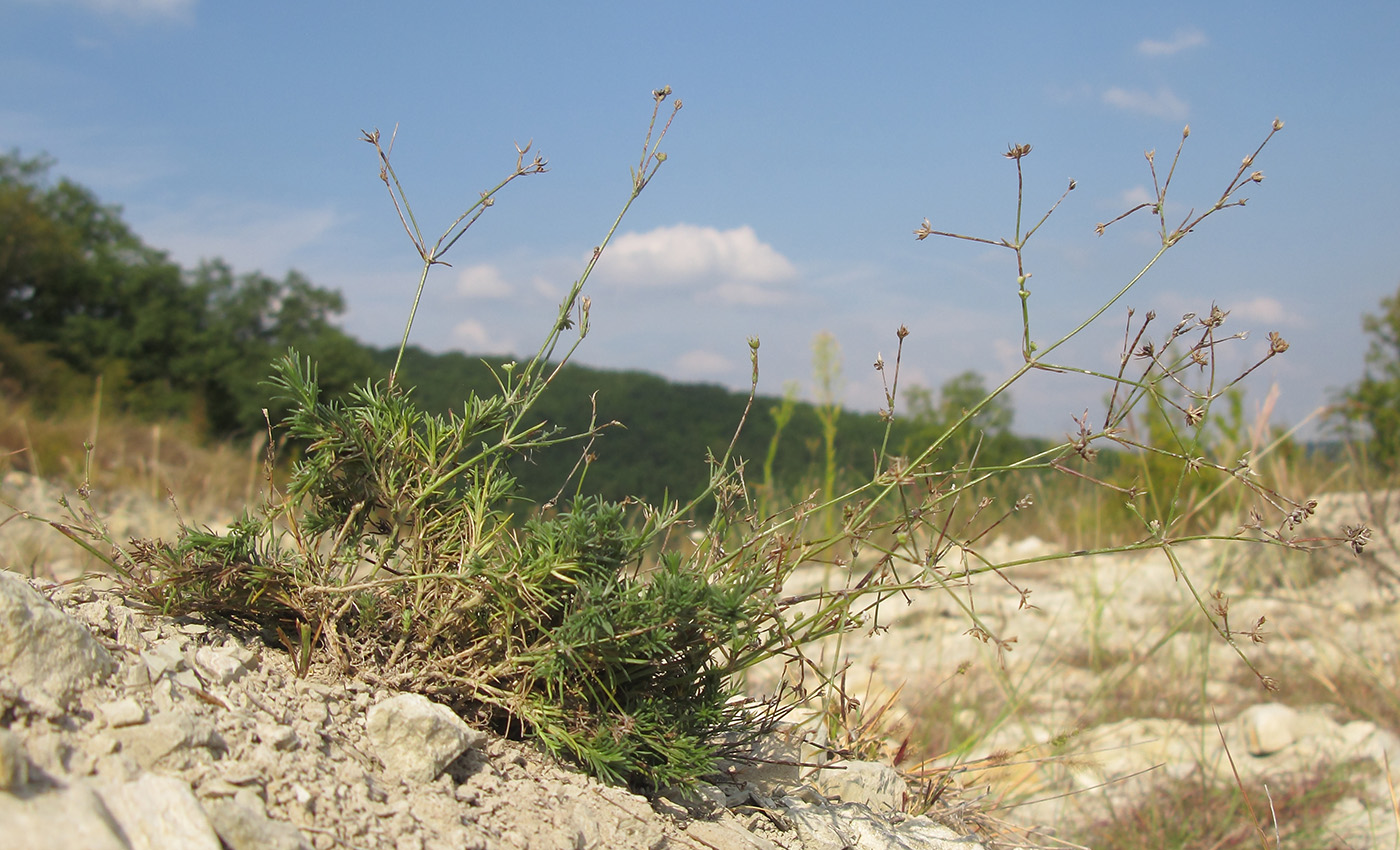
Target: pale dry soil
point(1110, 682)
point(1113, 681)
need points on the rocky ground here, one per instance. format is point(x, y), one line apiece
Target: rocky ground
point(1114, 684)
point(120, 728)
point(130, 730)
point(133, 730)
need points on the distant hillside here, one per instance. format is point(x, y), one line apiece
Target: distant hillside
point(667, 428)
point(86, 305)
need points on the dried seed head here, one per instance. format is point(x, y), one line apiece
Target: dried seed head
point(1278, 124)
point(1194, 415)
point(1016, 151)
point(1072, 184)
point(924, 230)
point(1216, 317)
point(661, 93)
point(1357, 537)
point(879, 362)
point(1186, 131)
point(1277, 344)
point(1257, 177)
point(902, 332)
point(1248, 161)
point(660, 156)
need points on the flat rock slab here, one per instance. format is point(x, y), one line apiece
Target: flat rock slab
point(46, 654)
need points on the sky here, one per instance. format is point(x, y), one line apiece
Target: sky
point(814, 139)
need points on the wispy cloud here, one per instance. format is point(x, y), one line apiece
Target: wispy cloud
point(1183, 40)
point(1134, 196)
point(733, 264)
point(1264, 312)
point(248, 235)
point(1162, 104)
point(700, 363)
point(169, 9)
point(471, 335)
point(482, 281)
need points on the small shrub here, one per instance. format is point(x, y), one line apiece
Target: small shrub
point(399, 547)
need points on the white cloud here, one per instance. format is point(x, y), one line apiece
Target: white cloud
point(733, 264)
point(248, 235)
point(482, 281)
point(748, 294)
point(1163, 104)
point(1136, 195)
point(471, 335)
point(1263, 310)
point(703, 364)
point(1182, 40)
point(173, 9)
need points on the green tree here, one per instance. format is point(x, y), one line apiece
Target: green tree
point(989, 430)
point(1374, 401)
point(249, 320)
point(77, 286)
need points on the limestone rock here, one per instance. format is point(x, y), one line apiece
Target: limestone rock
point(869, 783)
point(46, 654)
point(159, 812)
point(728, 834)
point(222, 665)
point(244, 827)
point(32, 823)
point(851, 825)
point(123, 712)
point(771, 763)
point(14, 762)
point(417, 738)
point(149, 743)
point(1271, 727)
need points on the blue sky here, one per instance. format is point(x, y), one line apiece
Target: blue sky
point(814, 138)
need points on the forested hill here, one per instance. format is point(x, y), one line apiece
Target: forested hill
point(82, 297)
point(666, 429)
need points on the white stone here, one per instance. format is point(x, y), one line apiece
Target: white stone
point(44, 652)
point(417, 738)
point(219, 665)
point(14, 762)
point(148, 743)
point(159, 812)
point(869, 783)
point(1268, 728)
point(851, 825)
point(31, 823)
point(123, 712)
point(244, 827)
point(770, 763)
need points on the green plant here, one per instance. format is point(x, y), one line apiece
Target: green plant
point(1373, 403)
point(399, 548)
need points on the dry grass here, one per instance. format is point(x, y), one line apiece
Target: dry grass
point(132, 470)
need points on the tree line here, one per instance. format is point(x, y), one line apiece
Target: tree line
point(83, 296)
